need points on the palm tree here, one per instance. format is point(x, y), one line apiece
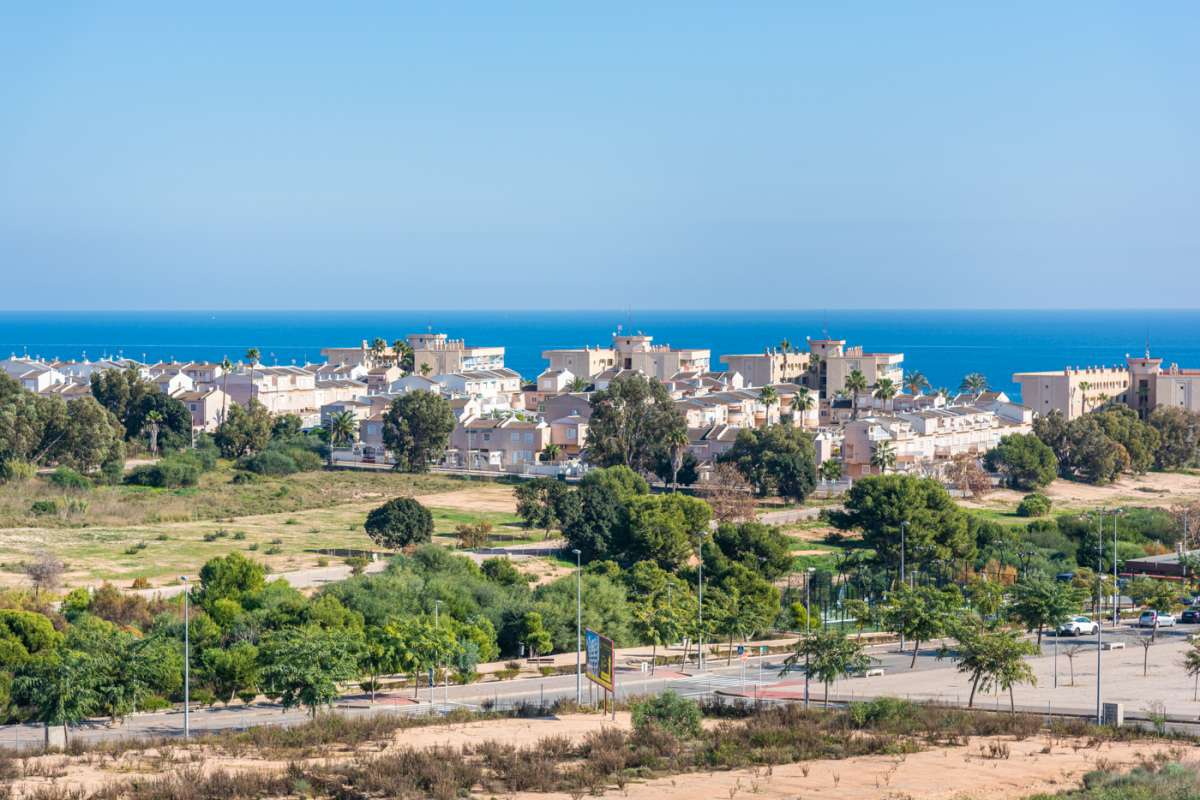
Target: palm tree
point(943, 392)
point(578, 384)
point(153, 421)
point(252, 355)
point(802, 403)
point(856, 382)
point(830, 469)
point(885, 390)
point(551, 452)
point(915, 382)
point(342, 427)
point(1083, 390)
point(378, 347)
point(425, 368)
point(785, 346)
point(883, 456)
point(974, 382)
point(226, 366)
point(768, 397)
point(677, 442)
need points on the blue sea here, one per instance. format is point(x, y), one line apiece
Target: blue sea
point(943, 344)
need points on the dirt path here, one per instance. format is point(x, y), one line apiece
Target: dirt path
point(1158, 489)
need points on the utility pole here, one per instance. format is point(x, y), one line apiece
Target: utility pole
point(187, 658)
point(1116, 589)
point(700, 610)
point(433, 683)
point(1100, 627)
point(578, 628)
point(807, 624)
point(903, 547)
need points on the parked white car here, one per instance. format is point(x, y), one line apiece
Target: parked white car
point(1151, 619)
point(1078, 626)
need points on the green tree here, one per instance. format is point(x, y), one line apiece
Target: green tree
point(621, 480)
point(416, 429)
point(1040, 602)
point(827, 654)
point(231, 577)
point(231, 672)
point(1179, 437)
point(768, 397)
point(777, 460)
point(247, 429)
point(89, 436)
point(1139, 440)
point(883, 456)
point(343, 428)
point(994, 658)
point(877, 505)
point(403, 355)
point(303, 666)
point(916, 382)
point(633, 421)
point(418, 645)
point(661, 528)
point(1026, 462)
point(58, 688)
point(593, 516)
point(534, 634)
point(741, 605)
point(920, 614)
point(1191, 665)
point(756, 546)
point(886, 390)
point(539, 502)
point(830, 470)
point(398, 523)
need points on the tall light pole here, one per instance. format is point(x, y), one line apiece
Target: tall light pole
point(903, 547)
point(578, 627)
point(437, 604)
point(700, 610)
point(1100, 626)
point(807, 623)
point(1116, 589)
point(187, 659)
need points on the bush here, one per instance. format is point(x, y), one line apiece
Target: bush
point(44, 507)
point(670, 712)
point(14, 470)
point(67, 478)
point(172, 472)
point(1034, 505)
point(240, 478)
point(269, 462)
point(357, 564)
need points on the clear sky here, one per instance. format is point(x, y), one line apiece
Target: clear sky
point(571, 155)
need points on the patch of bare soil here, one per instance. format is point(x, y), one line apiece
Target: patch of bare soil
point(1158, 489)
point(484, 497)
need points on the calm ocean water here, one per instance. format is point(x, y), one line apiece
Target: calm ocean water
point(944, 345)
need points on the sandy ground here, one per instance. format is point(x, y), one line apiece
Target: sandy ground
point(1151, 489)
point(984, 767)
point(486, 496)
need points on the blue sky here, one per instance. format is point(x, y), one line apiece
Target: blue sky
point(741, 155)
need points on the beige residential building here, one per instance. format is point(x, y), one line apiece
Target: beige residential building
point(207, 407)
point(770, 366)
point(833, 362)
point(569, 433)
point(1178, 388)
point(379, 379)
point(1073, 390)
point(630, 352)
point(438, 354)
point(283, 390)
point(507, 444)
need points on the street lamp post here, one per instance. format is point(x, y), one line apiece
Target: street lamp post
point(700, 610)
point(578, 628)
point(903, 547)
point(1100, 626)
point(1116, 589)
point(437, 604)
point(187, 658)
point(807, 623)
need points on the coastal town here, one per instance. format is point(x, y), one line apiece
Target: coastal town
point(865, 411)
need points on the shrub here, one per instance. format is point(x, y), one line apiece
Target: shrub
point(269, 462)
point(173, 472)
point(67, 478)
point(14, 470)
point(670, 712)
point(44, 507)
point(241, 478)
point(357, 564)
point(1034, 505)
point(140, 583)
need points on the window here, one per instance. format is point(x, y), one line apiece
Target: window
point(516, 436)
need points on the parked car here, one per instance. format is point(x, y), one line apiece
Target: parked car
point(1190, 617)
point(1078, 626)
point(1161, 619)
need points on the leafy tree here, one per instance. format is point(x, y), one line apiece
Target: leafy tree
point(1039, 602)
point(1191, 665)
point(920, 614)
point(1179, 437)
point(662, 527)
point(676, 715)
point(591, 517)
point(416, 429)
point(633, 421)
point(502, 571)
point(741, 604)
point(231, 672)
point(678, 467)
point(828, 654)
point(539, 501)
point(24, 635)
point(398, 523)
point(986, 596)
point(1140, 440)
point(623, 481)
point(776, 460)
point(878, 504)
point(1034, 505)
point(756, 546)
point(89, 436)
point(1153, 594)
point(246, 429)
point(994, 658)
point(534, 634)
point(418, 645)
point(303, 666)
point(830, 470)
point(58, 688)
point(1024, 460)
point(605, 608)
point(232, 577)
